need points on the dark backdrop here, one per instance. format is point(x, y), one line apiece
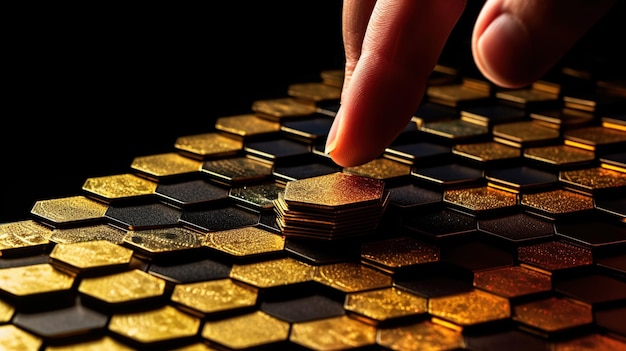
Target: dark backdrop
point(90, 87)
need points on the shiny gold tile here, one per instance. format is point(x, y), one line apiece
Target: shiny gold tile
point(6, 312)
point(207, 145)
point(420, 336)
point(479, 200)
point(335, 333)
point(154, 242)
point(23, 235)
point(486, 152)
point(245, 241)
point(333, 77)
point(557, 202)
point(559, 155)
point(384, 305)
point(395, 254)
point(471, 308)
point(283, 108)
point(246, 331)
point(34, 279)
point(165, 165)
point(524, 134)
point(594, 137)
point(458, 94)
point(86, 256)
point(123, 287)
point(195, 347)
point(512, 282)
point(381, 168)
point(314, 91)
point(88, 233)
point(593, 179)
point(119, 187)
point(246, 125)
point(562, 118)
point(455, 129)
point(273, 273)
point(350, 277)
point(155, 326)
point(257, 197)
point(64, 211)
point(13, 338)
point(525, 97)
point(103, 343)
point(209, 297)
point(553, 314)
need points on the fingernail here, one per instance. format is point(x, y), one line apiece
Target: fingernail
point(331, 139)
point(505, 51)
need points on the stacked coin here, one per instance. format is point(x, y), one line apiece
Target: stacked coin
point(332, 206)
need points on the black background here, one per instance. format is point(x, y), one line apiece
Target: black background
point(90, 87)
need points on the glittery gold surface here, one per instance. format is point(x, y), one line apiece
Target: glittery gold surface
point(34, 279)
point(91, 254)
point(246, 125)
point(380, 305)
point(6, 312)
point(380, 168)
point(214, 296)
point(481, 198)
point(336, 333)
point(454, 129)
point(69, 209)
point(421, 336)
point(153, 326)
point(14, 339)
point(557, 201)
point(333, 77)
point(244, 241)
point(22, 234)
point(487, 151)
point(88, 233)
point(553, 314)
point(257, 196)
point(246, 331)
point(334, 190)
point(273, 273)
point(554, 255)
point(559, 154)
point(314, 91)
point(471, 308)
point(595, 135)
point(395, 253)
point(594, 178)
point(454, 94)
point(208, 145)
point(154, 241)
point(526, 95)
point(119, 186)
point(166, 164)
point(281, 108)
point(351, 277)
point(513, 281)
point(123, 287)
point(524, 131)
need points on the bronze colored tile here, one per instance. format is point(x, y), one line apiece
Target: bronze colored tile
point(88, 233)
point(34, 280)
point(527, 97)
point(591, 342)
point(595, 138)
point(381, 168)
point(480, 200)
point(557, 203)
point(237, 170)
point(487, 153)
point(6, 312)
point(102, 343)
point(280, 109)
point(525, 134)
point(314, 91)
point(155, 327)
point(559, 156)
point(553, 314)
point(245, 241)
point(88, 256)
point(23, 236)
point(273, 273)
point(215, 296)
point(119, 187)
point(470, 309)
point(13, 338)
point(396, 254)
point(513, 282)
point(154, 242)
point(420, 336)
point(69, 211)
point(333, 77)
point(166, 165)
point(553, 256)
point(246, 331)
point(207, 145)
point(122, 288)
point(457, 95)
point(593, 180)
point(350, 277)
point(380, 306)
point(456, 130)
point(335, 333)
point(247, 126)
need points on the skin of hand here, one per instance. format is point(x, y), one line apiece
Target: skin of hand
point(392, 46)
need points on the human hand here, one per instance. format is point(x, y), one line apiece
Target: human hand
point(392, 46)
